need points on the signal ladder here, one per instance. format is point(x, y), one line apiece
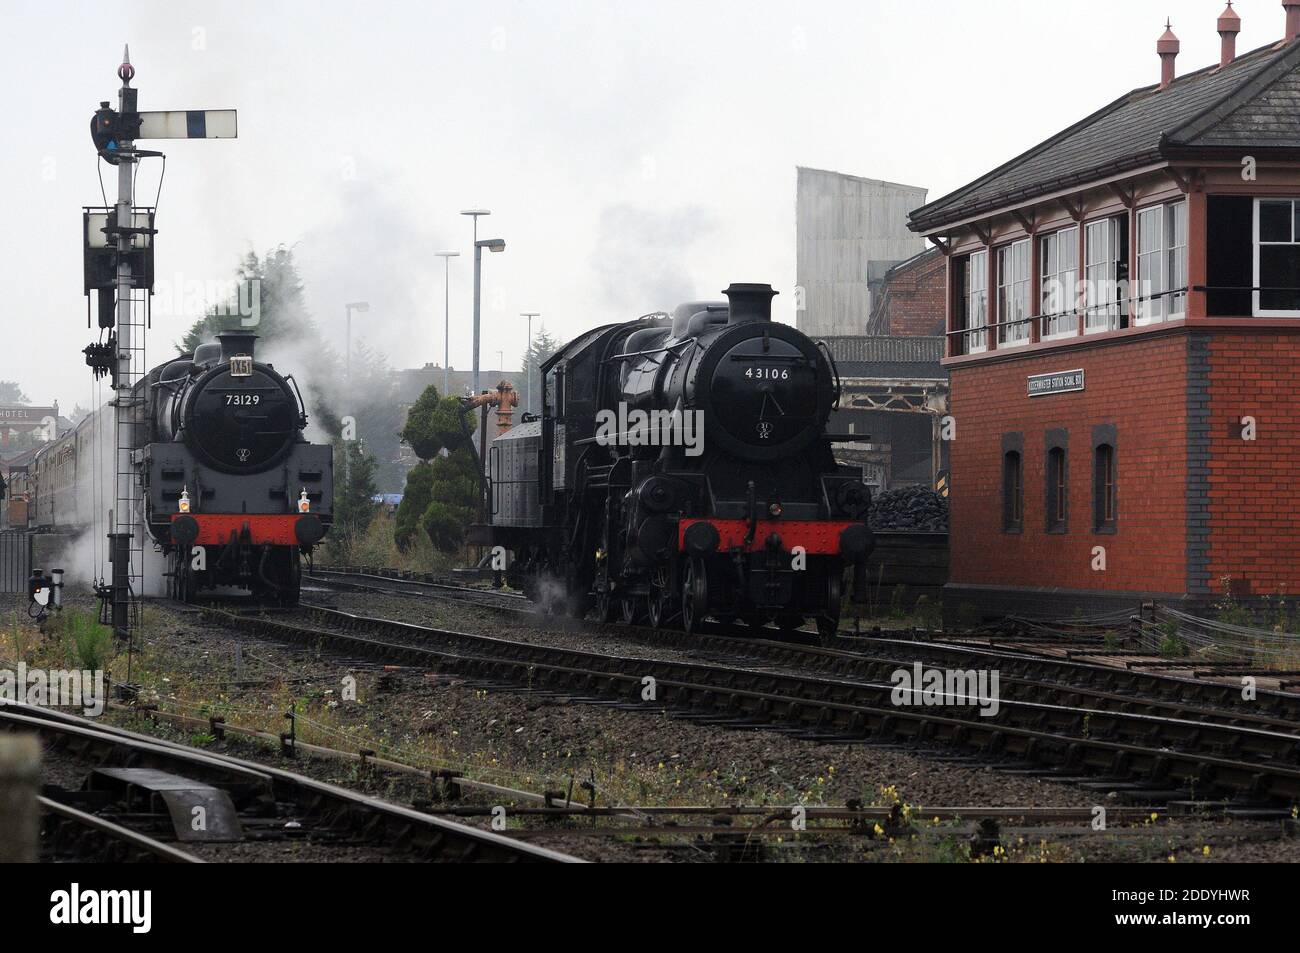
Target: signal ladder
point(129, 437)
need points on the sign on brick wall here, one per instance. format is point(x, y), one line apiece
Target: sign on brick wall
point(1062, 382)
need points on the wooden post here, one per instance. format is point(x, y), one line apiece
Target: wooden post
point(1081, 274)
point(1197, 254)
point(20, 783)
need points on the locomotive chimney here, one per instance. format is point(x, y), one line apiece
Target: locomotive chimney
point(236, 342)
point(749, 303)
point(1229, 27)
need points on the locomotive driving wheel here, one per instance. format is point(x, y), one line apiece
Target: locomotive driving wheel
point(631, 609)
point(607, 606)
point(660, 607)
point(181, 584)
point(828, 623)
point(695, 595)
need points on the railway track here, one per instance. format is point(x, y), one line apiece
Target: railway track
point(1026, 675)
point(145, 798)
point(1159, 757)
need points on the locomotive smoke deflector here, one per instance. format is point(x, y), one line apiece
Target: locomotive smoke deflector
point(749, 303)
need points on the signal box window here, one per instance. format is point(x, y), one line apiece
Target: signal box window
point(1103, 488)
point(1057, 486)
point(1013, 492)
point(1277, 258)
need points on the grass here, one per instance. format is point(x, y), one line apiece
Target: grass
point(93, 642)
point(376, 549)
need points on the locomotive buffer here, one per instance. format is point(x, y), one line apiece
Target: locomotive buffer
point(115, 134)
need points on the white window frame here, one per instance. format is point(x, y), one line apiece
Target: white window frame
point(1070, 290)
point(1098, 310)
point(972, 292)
point(1013, 290)
point(1256, 310)
point(1166, 258)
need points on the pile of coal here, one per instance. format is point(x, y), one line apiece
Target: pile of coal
point(913, 509)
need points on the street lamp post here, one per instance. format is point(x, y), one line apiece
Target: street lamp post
point(491, 244)
point(446, 257)
point(474, 213)
point(362, 307)
point(528, 360)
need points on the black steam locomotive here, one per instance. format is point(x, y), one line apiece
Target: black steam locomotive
point(230, 488)
point(681, 469)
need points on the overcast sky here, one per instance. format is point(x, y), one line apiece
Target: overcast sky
point(633, 154)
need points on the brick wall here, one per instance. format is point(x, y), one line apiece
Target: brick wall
point(1139, 387)
point(912, 301)
point(1255, 502)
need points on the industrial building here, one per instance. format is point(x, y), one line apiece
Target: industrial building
point(1123, 328)
point(895, 390)
point(850, 232)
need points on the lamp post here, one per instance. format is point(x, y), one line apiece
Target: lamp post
point(446, 257)
point(495, 245)
point(362, 307)
point(492, 245)
point(528, 360)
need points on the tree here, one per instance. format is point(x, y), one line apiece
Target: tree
point(11, 393)
point(435, 423)
point(542, 347)
point(289, 335)
point(354, 506)
point(370, 399)
point(415, 500)
point(281, 308)
point(453, 492)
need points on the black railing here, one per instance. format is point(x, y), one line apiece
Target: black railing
point(15, 561)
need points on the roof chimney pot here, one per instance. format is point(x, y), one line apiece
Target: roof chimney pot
point(1292, 19)
point(1229, 27)
point(1168, 46)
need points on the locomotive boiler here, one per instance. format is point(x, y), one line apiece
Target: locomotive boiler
point(227, 471)
point(681, 469)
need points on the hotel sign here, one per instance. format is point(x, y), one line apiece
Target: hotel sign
point(25, 416)
point(1062, 382)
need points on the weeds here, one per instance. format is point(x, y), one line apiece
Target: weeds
point(93, 642)
point(1172, 645)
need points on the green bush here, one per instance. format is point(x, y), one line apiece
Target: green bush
point(415, 500)
point(453, 503)
point(92, 642)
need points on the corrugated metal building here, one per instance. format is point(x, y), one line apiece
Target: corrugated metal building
point(850, 232)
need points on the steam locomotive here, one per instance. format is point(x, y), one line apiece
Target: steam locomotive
point(230, 489)
point(681, 469)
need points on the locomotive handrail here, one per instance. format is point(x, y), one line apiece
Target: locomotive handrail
point(835, 369)
point(302, 406)
point(659, 350)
